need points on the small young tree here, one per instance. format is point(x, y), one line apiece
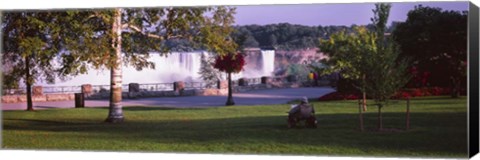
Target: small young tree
point(208, 73)
point(368, 58)
point(386, 73)
point(386, 76)
point(230, 63)
point(348, 54)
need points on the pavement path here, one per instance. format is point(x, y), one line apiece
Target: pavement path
point(257, 97)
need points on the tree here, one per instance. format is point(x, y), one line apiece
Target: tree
point(230, 63)
point(387, 73)
point(110, 38)
point(372, 61)
point(208, 73)
point(437, 41)
point(272, 40)
point(250, 42)
point(29, 48)
point(216, 37)
point(286, 36)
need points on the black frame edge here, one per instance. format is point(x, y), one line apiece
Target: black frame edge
point(473, 89)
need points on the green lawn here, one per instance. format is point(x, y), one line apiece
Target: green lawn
point(438, 129)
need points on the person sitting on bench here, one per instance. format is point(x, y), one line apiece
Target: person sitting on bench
point(302, 111)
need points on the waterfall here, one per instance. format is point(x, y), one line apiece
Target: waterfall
point(265, 67)
point(268, 59)
point(176, 66)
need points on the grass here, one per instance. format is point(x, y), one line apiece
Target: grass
point(438, 129)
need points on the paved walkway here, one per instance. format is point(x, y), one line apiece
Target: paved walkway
point(257, 97)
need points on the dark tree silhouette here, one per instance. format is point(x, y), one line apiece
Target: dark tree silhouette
point(437, 41)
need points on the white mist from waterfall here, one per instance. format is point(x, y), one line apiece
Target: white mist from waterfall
point(267, 66)
point(177, 66)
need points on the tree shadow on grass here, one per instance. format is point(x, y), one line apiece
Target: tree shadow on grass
point(427, 135)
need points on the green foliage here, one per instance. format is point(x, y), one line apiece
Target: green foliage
point(250, 42)
point(216, 30)
point(316, 66)
point(386, 74)
point(380, 18)
point(208, 73)
point(285, 36)
point(364, 57)
point(347, 52)
point(142, 31)
point(298, 70)
point(29, 37)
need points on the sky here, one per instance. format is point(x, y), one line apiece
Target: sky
point(329, 14)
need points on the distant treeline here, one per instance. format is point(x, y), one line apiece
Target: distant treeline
point(282, 36)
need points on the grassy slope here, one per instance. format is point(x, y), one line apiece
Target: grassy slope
point(438, 128)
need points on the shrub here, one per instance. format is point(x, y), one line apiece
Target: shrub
point(339, 96)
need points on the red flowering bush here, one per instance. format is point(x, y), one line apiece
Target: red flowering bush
point(418, 92)
point(436, 91)
point(419, 78)
point(230, 63)
point(338, 96)
point(402, 94)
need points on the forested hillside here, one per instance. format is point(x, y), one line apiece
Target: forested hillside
point(282, 36)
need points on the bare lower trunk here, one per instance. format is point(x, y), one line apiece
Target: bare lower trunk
point(407, 127)
point(455, 87)
point(28, 84)
point(380, 121)
point(364, 103)
point(230, 101)
point(360, 114)
point(115, 109)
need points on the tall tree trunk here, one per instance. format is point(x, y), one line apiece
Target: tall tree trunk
point(115, 110)
point(28, 83)
point(455, 87)
point(380, 120)
point(230, 98)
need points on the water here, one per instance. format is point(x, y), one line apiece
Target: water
point(268, 58)
point(177, 66)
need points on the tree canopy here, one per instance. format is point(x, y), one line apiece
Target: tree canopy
point(437, 42)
